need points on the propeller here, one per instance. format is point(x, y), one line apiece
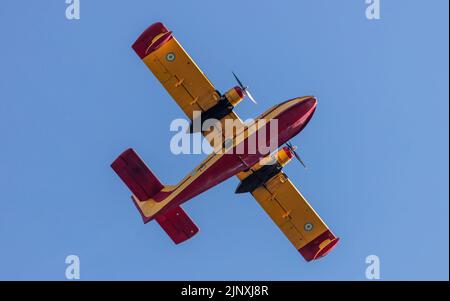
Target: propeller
point(292, 149)
point(244, 89)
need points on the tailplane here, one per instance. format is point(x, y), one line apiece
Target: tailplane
point(146, 188)
point(177, 225)
point(136, 175)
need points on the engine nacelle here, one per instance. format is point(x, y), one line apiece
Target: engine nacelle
point(235, 95)
point(224, 106)
point(264, 170)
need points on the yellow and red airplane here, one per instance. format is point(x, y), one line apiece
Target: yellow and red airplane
point(268, 184)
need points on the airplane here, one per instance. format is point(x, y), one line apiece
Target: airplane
point(268, 184)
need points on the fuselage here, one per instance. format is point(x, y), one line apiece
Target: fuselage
point(292, 116)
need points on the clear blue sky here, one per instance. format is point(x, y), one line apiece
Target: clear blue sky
point(73, 95)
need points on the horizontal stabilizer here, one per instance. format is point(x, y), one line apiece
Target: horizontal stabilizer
point(177, 224)
point(136, 175)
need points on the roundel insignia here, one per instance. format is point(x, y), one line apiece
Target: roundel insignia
point(170, 56)
point(308, 226)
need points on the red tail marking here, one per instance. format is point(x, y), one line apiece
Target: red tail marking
point(177, 225)
point(136, 175)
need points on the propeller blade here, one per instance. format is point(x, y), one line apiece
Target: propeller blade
point(292, 149)
point(250, 96)
point(239, 82)
point(300, 159)
point(244, 88)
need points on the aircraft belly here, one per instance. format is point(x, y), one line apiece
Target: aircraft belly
point(226, 167)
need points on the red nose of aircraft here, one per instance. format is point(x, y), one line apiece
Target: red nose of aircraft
point(304, 111)
point(297, 115)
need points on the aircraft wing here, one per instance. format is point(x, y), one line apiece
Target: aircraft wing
point(295, 217)
point(178, 73)
point(175, 69)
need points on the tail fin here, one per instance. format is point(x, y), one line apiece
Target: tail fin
point(136, 175)
point(145, 185)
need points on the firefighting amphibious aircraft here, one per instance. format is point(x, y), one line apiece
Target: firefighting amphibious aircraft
point(268, 184)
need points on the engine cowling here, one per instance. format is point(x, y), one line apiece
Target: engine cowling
point(235, 95)
point(264, 170)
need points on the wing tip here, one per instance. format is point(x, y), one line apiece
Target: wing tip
point(142, 44)
point(313, 250)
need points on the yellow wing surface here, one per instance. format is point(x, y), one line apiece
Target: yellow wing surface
point(294, 216)
point(177, 72)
